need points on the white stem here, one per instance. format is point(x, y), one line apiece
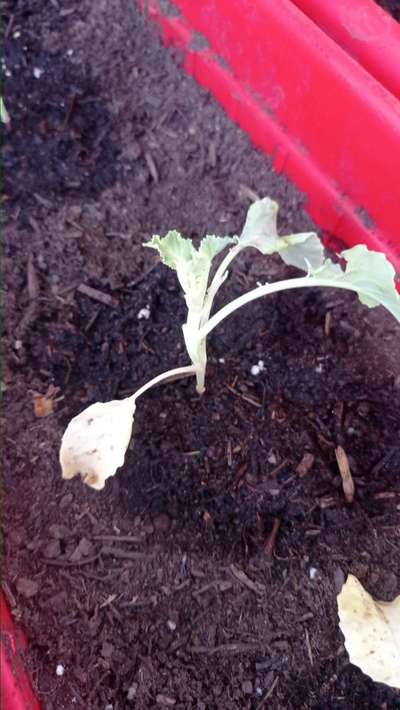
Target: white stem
point(165, 377)
point(266, 289)
point(218, 280)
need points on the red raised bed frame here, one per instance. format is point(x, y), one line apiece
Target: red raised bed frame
point(319, 98)
point(316, 84)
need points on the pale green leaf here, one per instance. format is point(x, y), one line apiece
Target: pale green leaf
point(301, 250)
point(367, 272)
point(192, 265)
point(211, 245)
point(260, 231)
point(260, 228)
point(172, 248)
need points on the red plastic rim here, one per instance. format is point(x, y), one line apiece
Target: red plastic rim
point(365, 31)
point(330, 125)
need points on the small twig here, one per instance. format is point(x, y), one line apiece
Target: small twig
point(69, 112)
point(229, 457)
point(383, 461)
point(271, 539)
point(328, 323)
point(242, 577)
point(117, 538)
point(32, 279)
point(125, 554)
point(245, 397)
point(239, 475)
point(267, 694)
point(96, 295)
point(10, 25)
point(151, 166)
point(225, 648)
point(278, 468)
point(305, 464)
point(96, 685)
point(67, 563)
point(8, 594)
point(143, 276)
point(309, 650)
point(347, 478)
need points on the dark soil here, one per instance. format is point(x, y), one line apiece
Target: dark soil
point(391, 6)
point(111, 143)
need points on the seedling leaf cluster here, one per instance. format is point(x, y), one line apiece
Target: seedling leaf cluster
point(95, 442)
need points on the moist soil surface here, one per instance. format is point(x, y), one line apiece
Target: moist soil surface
point(167, 589)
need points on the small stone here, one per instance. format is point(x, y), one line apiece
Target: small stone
point(144, 313)
point(255, 370)
point(83, 549)
point(247, 687)
point(66, 500)
point(171, 625)
point(313, 572)
point(338, 579)
point(107, 649)
point(52, 549)
point(60, 670)
point(27, 587)
point(162, 523)
point(37, 72)
point(132, 691)
point(60, 532)
point(305, 464)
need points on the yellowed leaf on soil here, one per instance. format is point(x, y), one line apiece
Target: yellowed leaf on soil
point(372, 632)
point(95, 441)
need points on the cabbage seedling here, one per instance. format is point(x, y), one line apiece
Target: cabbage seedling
point(95, 442)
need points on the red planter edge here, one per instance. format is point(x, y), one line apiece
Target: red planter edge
point(328, 124)
point(16, 688)
point(365, 31)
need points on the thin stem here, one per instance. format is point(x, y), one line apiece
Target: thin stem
point(266, 289)
point(169, 376)
point(218, 280)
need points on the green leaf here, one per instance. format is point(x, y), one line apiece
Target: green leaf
point(260, 231)
point(211, 245)
point(192, 265)
point(172, 248)
point(369, 273)
point(302, 250)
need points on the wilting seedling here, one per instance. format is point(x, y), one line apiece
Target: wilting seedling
point(97, 450)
